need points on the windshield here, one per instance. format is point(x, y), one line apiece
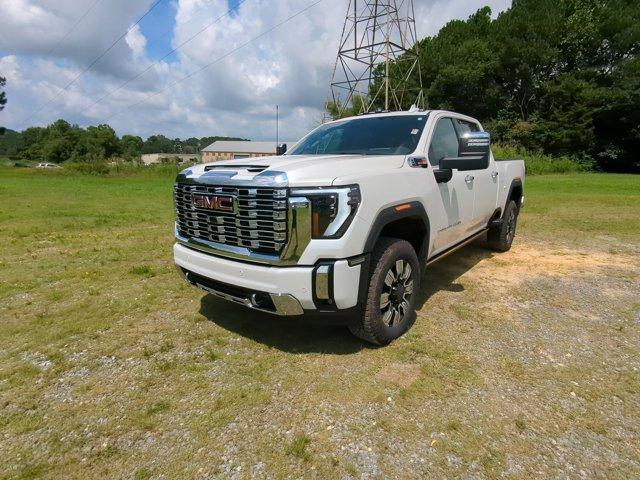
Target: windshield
point(389, 135)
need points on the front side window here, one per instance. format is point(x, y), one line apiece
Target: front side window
point(466, 127)
point(444, 142)
point(388, 135)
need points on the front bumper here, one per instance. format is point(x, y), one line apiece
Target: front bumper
point(295, 290)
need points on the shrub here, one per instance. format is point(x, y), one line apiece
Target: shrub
point(118, 167)
point(538, 163)
point(88, 168)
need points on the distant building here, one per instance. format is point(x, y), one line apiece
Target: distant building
point(151, 158)
point(229, 150)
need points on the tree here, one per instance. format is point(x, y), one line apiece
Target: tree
point(3, 95)
point(96, 144)
point(9, 142)
point(158, 144)
point(60, 141)
point(566, 116)
point(30, 143)
point(191, 145)
point(337, 110)
point(131, 146)
point(559, 76)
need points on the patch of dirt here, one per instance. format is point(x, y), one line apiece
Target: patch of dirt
point(526, 260)
point(401, 374)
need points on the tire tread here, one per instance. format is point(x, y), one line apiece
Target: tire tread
point(366, 326)
point(497, 236)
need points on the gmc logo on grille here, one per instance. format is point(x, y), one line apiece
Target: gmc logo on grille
point(221, 203)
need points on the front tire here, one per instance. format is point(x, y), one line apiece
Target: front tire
point(391, 296)
point(501, 237)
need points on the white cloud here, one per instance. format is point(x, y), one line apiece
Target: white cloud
point(136, 41)
point(10, 69)
point(290, 66)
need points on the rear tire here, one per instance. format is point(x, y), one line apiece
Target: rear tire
point(501, 237)
point(391, 296)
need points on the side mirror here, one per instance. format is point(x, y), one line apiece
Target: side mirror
point(281, 149)
point(475, 150)
point(476, 145)
point(463, 163)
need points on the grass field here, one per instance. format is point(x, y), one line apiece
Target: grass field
point(520, 365)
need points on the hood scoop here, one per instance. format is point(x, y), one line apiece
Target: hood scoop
point(248, 168)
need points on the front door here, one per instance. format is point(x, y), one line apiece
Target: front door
point(486, 194)
point(485, 184)
point(457, 195)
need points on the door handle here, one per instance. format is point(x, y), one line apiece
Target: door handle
point(494, 175)
point(469, 178)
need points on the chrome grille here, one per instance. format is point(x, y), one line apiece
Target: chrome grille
point(259, 221)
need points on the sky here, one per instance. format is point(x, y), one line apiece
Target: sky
point(212, 84)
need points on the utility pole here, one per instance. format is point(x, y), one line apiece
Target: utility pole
point(277, 129)
point(377, 31)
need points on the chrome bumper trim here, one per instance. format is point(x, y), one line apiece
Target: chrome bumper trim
point(228, 251)
point(285, 303)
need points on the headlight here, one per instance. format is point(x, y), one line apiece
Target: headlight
point(332, 209)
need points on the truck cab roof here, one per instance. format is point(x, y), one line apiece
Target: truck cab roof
point(403, 113)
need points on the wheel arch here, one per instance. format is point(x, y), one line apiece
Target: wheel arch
point(516, 191)
point(407, 221)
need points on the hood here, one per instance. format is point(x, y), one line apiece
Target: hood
point(291, 170)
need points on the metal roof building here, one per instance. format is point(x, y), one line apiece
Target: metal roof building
point(230, 149)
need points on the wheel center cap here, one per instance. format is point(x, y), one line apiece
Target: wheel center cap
point(397, 293)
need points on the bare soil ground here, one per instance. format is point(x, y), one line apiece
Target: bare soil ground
point(520, 365)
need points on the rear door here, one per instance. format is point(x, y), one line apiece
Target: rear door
point(457, 194)
point(484, 182)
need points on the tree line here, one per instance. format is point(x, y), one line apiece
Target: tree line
point(63, 141)
point(560, 77)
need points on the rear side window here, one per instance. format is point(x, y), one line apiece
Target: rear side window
point(444, 142)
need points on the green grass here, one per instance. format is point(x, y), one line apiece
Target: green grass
point(112, 367)
point(298, 447)
point(577, 207)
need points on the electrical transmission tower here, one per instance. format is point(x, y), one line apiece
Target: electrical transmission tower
point(376, 57)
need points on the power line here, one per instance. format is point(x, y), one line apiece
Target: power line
point(73, 27)
point(150, 66)
point(204, 67)
point(96, 60)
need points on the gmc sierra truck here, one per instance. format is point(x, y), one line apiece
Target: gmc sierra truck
point(344, 223)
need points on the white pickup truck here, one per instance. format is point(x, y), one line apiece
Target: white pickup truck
point(347, 220)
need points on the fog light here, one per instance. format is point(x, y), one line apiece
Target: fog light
point(261, 300)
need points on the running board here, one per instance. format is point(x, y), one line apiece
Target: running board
point(455, 247)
